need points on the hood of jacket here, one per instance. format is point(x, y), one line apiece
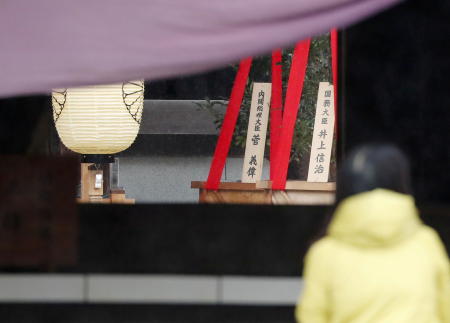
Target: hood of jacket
point(376, 218)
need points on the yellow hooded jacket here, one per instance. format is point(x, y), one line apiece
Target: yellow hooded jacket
point(378, 264)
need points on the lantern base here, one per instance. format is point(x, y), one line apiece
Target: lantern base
point(97, 159)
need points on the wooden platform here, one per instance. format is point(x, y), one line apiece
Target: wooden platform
point(233, 193)
point(296, 193)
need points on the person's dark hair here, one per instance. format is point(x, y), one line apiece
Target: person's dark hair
point(373, 166)
point(366, 168)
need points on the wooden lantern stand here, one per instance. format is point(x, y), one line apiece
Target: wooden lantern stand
point(103, 193)
point(278, 190)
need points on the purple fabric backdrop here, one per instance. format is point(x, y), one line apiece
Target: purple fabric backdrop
point(57, 43)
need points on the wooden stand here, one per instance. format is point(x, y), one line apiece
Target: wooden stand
point(233, 193)
point(302, 193)
point(117, 196)
point(296, 193)
point(90, 194)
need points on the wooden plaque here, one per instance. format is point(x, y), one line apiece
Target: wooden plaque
point(322, 142)
point(256, 133)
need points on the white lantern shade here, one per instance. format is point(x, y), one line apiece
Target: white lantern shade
point(100, 119)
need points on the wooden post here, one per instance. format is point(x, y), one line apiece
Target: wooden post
point(84, 192)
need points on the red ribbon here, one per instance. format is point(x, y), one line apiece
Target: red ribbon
point(276, 108)
point(282, 124)
point(293, 96)
point(228, 125)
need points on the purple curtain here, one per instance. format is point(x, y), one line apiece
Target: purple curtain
point(47, 44)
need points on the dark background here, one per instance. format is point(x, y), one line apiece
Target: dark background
point(396, 78)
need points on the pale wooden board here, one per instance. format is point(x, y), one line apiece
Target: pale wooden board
point(228, 186)
point(84, 181)
point(256, 133)
point(296, 193)
point(302, 198)
point(235, 197)
point(301, 186)
point(322, 142)
point(120, 198)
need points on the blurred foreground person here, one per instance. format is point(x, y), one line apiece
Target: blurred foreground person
point(378, 262)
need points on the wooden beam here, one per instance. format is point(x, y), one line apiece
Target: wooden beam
point(301, 186)
point(234, 186)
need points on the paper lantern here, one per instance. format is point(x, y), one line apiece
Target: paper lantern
point(100, 119)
